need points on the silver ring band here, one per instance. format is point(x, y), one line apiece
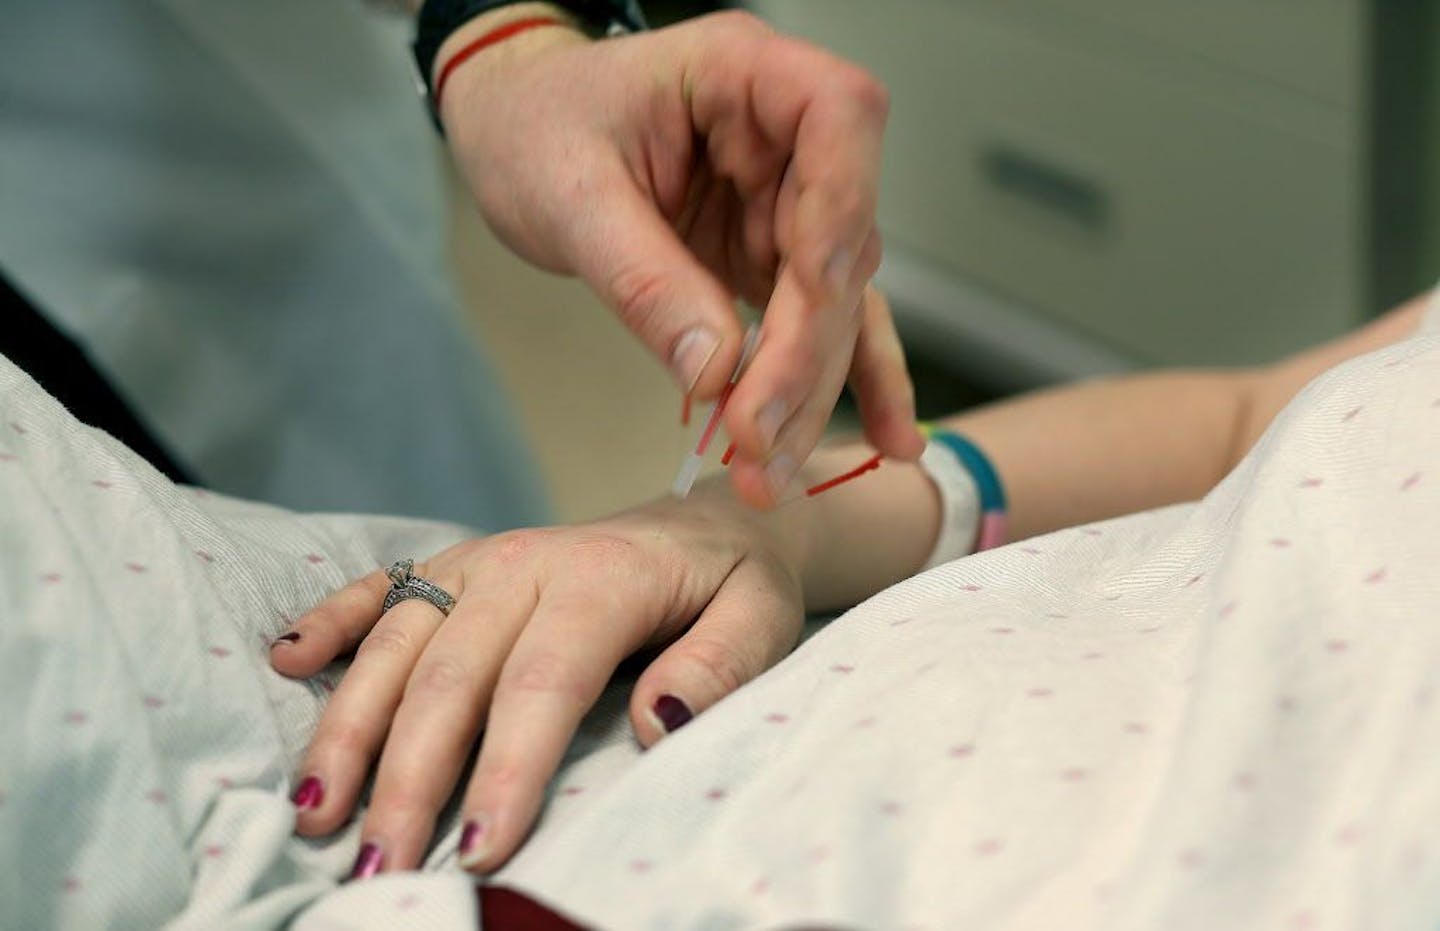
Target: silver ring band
point(405, 584)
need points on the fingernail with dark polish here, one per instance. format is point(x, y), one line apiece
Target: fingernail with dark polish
point(309, 793)
point(369, 861)
point(291, 637)
point(672, 712)
point(472, 851)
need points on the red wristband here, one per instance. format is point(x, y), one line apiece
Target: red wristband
point(493, 37)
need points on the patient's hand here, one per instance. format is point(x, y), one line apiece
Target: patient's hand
point(543, 618)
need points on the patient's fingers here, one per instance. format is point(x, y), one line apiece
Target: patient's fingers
point(332, 628)
point(445, 700)
point(543, 619)
point(358, 715)
point(750, 624)
point(557, 670)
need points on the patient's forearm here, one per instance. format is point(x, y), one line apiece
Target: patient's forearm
point(1099, 449)
point(1090, 451)
point(1067, 456)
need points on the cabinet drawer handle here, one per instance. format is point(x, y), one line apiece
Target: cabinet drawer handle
point(1053, 188)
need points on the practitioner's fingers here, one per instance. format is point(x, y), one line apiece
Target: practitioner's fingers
point(764, 481)
point(332, 628)
point(817, 123)
point(750, 624)
point(796, 375)
point(882, 384)
point(357, 717)
point(657, 287)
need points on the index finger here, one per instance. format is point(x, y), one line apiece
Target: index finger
point(787, 379)
point(333, 627)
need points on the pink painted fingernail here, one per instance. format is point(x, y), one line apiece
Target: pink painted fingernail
point(292, 637)
point(672, 712)
point(309, 793)
point(472, 841)
point(369, 861)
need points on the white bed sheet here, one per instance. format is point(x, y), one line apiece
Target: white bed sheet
point(1218, 715)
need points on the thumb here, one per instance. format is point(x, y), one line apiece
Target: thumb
point(629, 254)
point(749, 625)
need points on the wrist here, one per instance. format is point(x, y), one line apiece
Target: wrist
point(786, 531)
point(867, 535)
point(474, 50)
point(569, 29)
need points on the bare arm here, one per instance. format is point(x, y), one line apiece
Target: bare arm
point(1067, 456)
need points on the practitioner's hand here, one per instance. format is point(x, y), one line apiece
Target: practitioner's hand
point(543, 618)
point(678, 169)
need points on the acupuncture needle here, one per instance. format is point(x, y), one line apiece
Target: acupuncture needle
point(695, 460)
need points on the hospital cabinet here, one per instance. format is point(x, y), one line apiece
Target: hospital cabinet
point(1075, 187)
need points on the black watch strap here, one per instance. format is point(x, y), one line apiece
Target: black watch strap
point(439, 18)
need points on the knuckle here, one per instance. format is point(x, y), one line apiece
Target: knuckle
point(503, 774)
point(639, 294)
point(513, 547)
point(718, 663)
point(869, 92)
point(402, 805)
point(545, 674)
point(326, 616)
point(852, 206)
point(438, 677)
point(468, 547)
point(347, 739)
point(386, 640)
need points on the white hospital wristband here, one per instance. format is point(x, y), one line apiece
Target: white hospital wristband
point(959, 504)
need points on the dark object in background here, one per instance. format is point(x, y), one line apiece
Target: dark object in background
point(62, 368)
point(665, 12)
point(501, 907)
point(1403, 160)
